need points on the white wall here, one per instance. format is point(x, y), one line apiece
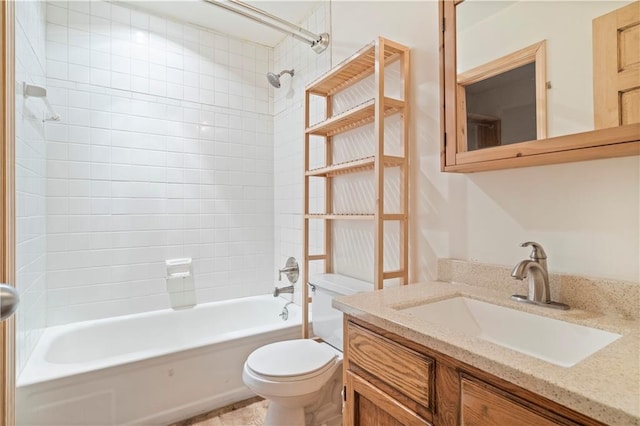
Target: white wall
point(30, 180)
point(164, 151)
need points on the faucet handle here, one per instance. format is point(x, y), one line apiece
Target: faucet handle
point(537, 251)
point(291, 270)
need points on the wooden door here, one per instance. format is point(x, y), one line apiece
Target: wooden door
point(7, 209)
point(616, 67)
point(367, 405)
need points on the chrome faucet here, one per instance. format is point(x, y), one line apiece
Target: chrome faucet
point(278, 290)
point(535, 270)
point(291, 270)
point(285, 312)
point(292, 273)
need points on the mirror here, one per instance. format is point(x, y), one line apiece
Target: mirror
point(509, 95)
point(501, 110)
point(580, 102)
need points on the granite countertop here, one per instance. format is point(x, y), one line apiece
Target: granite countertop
point(604, 386)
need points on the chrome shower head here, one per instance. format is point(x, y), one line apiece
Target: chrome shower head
point(274, 79)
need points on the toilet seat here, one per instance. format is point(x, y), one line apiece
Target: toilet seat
point(314, 362)
point(292, 360)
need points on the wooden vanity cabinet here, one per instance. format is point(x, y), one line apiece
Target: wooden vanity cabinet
point(395, 378)
point(390, 380)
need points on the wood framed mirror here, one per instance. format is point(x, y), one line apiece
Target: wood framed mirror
point(591, 111)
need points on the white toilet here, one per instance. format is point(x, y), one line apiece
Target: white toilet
point(302, 379)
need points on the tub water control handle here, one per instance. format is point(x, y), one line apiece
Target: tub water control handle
point(9, 301)
point(291, 270)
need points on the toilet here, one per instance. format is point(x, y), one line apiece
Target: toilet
point(302, 378)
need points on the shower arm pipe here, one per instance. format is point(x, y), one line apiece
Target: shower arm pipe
point(318, 42)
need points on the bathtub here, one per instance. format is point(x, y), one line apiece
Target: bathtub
point(150, 368)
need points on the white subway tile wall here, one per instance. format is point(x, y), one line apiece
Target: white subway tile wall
point(165, 150)
point(31, 203)
point(289, 142)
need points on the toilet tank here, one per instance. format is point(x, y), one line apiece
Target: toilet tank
point(327, 321)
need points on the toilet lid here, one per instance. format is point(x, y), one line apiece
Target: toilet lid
point(291, 358)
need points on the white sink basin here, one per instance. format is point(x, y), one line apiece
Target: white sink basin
point(559, 342)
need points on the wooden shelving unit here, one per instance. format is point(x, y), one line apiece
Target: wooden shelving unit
point(370, 60)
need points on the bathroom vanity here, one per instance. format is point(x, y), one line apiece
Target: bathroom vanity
point(390, 378)
point(402, 370)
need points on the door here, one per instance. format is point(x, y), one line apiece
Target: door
point(368, 405)
point(7, 206)
point(616, 67)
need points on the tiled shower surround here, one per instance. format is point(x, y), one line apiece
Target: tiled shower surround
point(31, 170)
point(288, 119)
point(165, 150)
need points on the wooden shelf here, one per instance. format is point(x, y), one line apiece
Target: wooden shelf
point(360, 216)
point(355, 216)
point(355, 68)
point(394, 216)
point(393, 274)
point(355, 117)
point(355, 166)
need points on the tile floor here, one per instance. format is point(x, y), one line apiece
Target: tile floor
point(246, 413)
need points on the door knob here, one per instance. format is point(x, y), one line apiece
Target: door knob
point(9, 300)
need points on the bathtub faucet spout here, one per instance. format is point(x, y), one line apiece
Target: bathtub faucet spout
point(278, 290)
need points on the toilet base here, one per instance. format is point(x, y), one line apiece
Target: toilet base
point(327, 409)
point(322, 408)
point(279, 415)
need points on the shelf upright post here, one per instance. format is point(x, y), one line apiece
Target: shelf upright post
point(405, 66)
point(305, 226)
point(328, 193)
point(379, 65)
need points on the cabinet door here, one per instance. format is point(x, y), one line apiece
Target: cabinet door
point(405, 375)
point(482, 404)
point(366, 405)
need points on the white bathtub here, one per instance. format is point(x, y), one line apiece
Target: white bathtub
point(151, 368)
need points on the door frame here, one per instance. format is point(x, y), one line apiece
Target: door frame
point(7, 205)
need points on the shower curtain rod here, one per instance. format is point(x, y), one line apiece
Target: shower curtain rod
point(318, 42)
